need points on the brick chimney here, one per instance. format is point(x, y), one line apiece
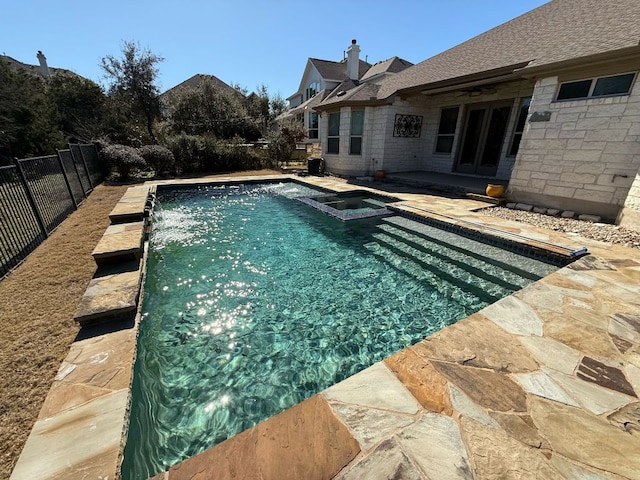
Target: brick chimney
point(44, 68)
point(353, 61)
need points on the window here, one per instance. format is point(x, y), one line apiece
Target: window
point(311, 90)
point(596, 87)
point(522, 120)
point(357, 123)
point(313, 125)
point(333, 136)
point(447, 129)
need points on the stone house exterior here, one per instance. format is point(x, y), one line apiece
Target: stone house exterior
point(548, 103)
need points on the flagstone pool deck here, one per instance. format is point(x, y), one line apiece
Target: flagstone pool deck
point(541, 384)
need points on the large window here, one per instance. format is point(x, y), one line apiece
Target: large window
point(311, 90)
point(333, 135)
point(596, 87)
point(357, 124)
point(522, 120)
point(313, 125)
point(447, 129)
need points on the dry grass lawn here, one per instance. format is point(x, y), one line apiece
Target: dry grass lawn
point(37, 303)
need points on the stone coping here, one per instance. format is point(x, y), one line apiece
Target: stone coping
point(541, 384)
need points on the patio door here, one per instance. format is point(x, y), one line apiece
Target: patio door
point(484, 129)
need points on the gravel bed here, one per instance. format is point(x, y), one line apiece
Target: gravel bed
point(603, 232)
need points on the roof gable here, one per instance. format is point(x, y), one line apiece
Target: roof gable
point(558, 31)
point(195, 82)
point(391, 65)
point(337, 70)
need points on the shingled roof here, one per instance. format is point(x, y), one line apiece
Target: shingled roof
point(337, 70)
point(195, 82)
point(391, 65)
point(559, 31)
point(18, 66)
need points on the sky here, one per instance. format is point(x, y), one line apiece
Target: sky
point(244, 42)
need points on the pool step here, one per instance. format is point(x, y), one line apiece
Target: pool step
point(485, 290)
point(474, 252)
point(474, 262)
point(446, 285)
point(482, 270)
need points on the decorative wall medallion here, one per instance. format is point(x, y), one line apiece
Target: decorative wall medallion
point(407, 125)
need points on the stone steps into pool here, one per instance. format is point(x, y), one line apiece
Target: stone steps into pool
point(470, 251)
point(438, 274)
point(456, 268)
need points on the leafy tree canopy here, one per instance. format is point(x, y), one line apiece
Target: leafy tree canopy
point(134, 76)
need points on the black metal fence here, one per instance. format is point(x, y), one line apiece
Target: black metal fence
point(37, 194)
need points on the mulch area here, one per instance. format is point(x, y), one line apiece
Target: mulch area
point(37, 303)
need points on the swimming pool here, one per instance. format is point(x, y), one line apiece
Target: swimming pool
point(255, 301)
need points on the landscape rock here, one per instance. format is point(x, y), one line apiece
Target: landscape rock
point(524, 206)
point(608, 233)
point(589, 218)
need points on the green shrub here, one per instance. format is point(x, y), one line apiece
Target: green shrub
point(122, 160)
point(161, 159)
point(188, 151)
point(207, 154)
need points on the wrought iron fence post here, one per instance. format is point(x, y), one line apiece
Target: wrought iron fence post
point(66, 179)
point(31, 199)
point(84, 162)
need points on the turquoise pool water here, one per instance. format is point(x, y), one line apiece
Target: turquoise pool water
point(254, 301)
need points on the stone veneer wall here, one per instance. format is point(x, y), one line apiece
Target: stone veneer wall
point(585, 158)
point(630, 215)
point(382, 151)
point(344, 163)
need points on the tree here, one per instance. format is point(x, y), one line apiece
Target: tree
point(134, 76)
point(28, 116)
point(80, 106)
point(210, 110)
point(282, 142)
point(277, 105)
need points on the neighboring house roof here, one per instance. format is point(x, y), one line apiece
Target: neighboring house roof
point(337, 70)
point(556, 32)
point(15, 66)
point(195, 82)
point(392, 65)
